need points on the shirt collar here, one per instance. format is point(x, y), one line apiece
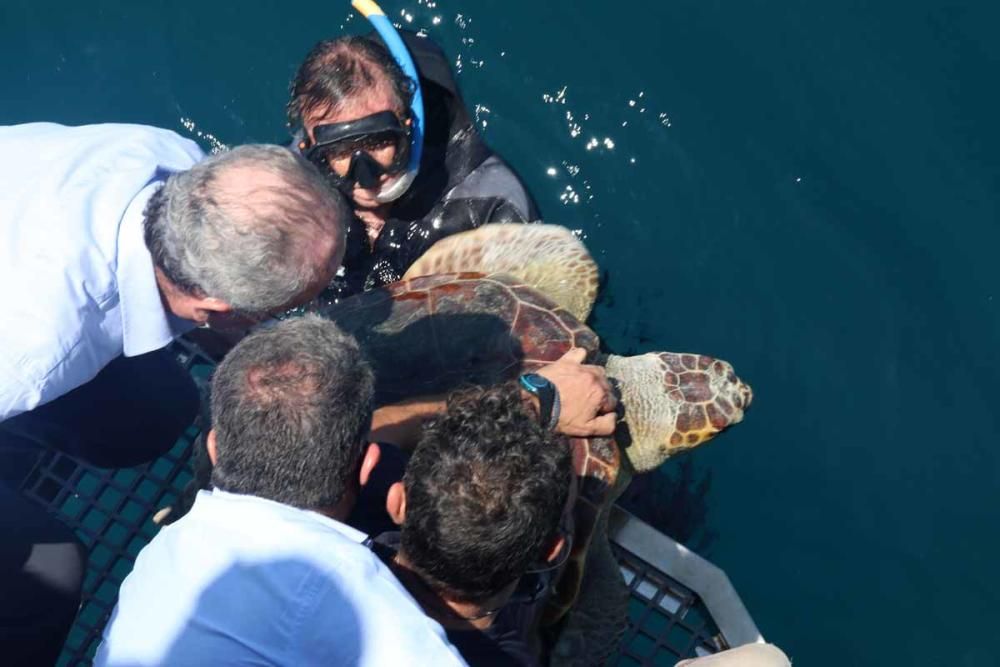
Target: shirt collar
point(146, 323)
point(350, 533)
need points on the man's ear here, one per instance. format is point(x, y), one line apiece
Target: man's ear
point(204, 307)
point(395, 503)
point(211, 447)
point(555, 548)
point(368, 462)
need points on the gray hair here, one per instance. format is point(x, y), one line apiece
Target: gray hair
point(291, 407)
point(243, 226)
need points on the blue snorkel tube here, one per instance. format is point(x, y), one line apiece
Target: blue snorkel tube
point(371, 11)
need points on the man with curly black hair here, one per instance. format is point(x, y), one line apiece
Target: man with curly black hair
point(486, 499)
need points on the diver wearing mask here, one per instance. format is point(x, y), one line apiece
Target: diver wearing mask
point(403, 150)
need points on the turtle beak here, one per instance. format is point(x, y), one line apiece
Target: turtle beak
point(747, 393)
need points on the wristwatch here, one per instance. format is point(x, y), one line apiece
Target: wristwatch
point(548, 398)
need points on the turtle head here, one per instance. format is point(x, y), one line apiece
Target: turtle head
point(675, 402)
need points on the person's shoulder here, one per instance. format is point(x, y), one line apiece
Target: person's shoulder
point(308, 586)
point(495, 179)
point(167, 147)
point(258, 527)
point(377, 621)
point(371, 629)
point(189, 574)
point(109, 136)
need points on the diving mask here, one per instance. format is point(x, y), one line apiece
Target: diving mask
point(356, 140)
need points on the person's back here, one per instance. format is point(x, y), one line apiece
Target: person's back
point(117, 239)
point(70, 225)
point(262, 570)
point(243, 580)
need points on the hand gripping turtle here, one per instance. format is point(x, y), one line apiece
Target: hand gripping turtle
point(484, 306)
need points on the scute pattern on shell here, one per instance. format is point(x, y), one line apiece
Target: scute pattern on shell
point(705, 410)
point(432, 334)
point(548, 258)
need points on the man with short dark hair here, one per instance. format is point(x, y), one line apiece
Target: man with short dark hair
point(487, 498)
point(350, 110)
point(263, 570)
point(116, 240)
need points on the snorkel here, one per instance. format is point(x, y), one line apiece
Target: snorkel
point(371, 11)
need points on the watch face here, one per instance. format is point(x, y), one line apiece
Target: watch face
point(535, 380)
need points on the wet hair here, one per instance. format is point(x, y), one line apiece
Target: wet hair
point(485, 490)
point(291, 408)
point(254, 250)
point(338, 70)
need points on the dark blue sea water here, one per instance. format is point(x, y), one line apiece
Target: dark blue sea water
point(807, 189)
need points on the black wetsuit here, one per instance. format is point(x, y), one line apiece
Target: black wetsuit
point(462, 184)
point(505, 642)
point(502, 644)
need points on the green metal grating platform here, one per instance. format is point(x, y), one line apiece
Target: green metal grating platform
point(112, 512)
point(667, 621)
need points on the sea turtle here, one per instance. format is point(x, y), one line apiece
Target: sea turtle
point(428, 335)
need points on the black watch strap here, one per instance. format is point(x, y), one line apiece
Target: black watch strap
point(548, 398)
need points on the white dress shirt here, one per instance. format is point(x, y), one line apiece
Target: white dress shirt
point(77, 287)
point(241, 580)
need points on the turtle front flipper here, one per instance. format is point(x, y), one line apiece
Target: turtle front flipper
point(585, 616)
point(674, 402)
point(548, 258)
point(593, 628)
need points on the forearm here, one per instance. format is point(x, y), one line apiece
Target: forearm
point(399, 424)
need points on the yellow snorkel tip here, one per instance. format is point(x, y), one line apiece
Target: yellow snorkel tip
point(367, 8)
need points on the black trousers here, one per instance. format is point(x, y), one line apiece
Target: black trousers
point(131, 413)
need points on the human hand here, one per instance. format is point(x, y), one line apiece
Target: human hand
point(587, 401)
point(374, 219)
